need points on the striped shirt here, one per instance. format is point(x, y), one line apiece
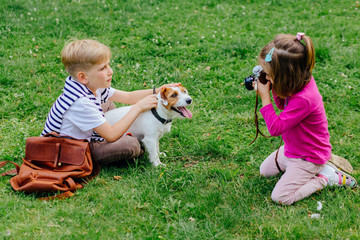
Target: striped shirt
point(72, 91)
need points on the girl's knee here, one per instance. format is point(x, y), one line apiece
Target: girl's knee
point(264, 171)
point(282, 199)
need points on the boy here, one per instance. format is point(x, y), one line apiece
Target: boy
point(78, 111)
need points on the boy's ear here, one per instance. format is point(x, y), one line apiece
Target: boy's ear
point(81, 77)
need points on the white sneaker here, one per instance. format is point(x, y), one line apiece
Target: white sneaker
point(336, 177)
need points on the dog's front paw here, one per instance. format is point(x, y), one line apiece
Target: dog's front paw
point(158, 164)
point(162, 154)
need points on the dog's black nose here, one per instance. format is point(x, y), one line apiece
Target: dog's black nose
point(189, 101)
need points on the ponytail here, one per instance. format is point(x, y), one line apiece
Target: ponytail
point(310, 53)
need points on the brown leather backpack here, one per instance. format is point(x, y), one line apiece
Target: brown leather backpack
point(53, 163)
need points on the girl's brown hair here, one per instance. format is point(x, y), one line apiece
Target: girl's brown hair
point(291, 63)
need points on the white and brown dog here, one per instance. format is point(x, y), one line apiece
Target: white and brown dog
point(151, 125)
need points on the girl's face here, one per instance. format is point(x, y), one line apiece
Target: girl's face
point(269, 78)
point(266, 71)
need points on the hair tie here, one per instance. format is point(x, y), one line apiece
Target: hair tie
point(300, 35)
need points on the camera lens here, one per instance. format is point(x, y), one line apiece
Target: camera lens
point(249, 82)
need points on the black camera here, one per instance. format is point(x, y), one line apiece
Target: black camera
point(258, 74)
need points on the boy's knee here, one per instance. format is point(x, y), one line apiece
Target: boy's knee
point(125, 148)
point(133, 147)
point(137, 150)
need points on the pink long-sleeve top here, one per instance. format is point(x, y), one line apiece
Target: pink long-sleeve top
point(302, 124)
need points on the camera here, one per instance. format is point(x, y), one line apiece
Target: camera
point(258, 74)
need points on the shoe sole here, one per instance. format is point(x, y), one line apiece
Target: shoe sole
point(341, 163)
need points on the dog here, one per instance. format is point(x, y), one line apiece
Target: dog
point(151, 125)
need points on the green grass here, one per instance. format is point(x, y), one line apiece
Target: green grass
point(210, 188)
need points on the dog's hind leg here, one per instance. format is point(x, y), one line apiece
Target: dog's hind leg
point(151, 147)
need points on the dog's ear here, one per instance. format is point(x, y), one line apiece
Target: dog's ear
point(163, 97)
point(163, 93)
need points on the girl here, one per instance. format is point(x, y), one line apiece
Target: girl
point(287, 62)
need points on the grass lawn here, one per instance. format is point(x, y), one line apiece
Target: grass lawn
point(210, 187)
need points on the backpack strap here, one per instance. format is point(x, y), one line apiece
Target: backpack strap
point(12, 171)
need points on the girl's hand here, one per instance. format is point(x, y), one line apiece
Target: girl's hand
point(146, 103)
point(263, 89)
point(264, 92)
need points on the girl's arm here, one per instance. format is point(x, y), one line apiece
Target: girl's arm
point(280, 102)
point(293, 114)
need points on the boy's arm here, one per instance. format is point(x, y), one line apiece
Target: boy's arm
point(135, 96)
point(112, 133)
point(130, 97)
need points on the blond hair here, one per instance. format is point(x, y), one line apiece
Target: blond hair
point(291, 63)
point(80, 55)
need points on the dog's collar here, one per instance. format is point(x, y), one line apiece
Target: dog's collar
point(162, 120)
point(157, 116)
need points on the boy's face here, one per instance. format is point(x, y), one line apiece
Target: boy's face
point(99, 76)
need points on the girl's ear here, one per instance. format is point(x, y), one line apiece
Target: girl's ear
point(81, 77)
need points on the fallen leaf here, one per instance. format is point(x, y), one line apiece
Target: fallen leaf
point(117, 177)
point(190, 164)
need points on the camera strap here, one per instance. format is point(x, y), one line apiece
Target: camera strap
point(257, 121)
point(258, 131)
point(276, 158)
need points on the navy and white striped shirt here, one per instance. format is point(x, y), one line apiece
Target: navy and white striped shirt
point(73, 90)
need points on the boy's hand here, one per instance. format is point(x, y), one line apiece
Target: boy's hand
point(146, 103)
